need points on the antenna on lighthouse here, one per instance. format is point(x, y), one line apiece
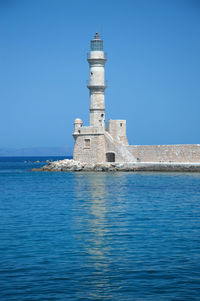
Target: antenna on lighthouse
point(101, 32)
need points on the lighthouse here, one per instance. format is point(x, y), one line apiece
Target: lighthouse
point(96, 86)
point(96, 143)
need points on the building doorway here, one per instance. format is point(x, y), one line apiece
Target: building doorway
point(110, 157)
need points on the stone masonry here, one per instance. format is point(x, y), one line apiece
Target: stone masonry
point(97, 143)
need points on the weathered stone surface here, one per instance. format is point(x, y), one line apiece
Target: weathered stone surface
point(179, 153)
point(75, 166)
point(97, 143)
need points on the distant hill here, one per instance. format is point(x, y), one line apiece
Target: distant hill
point(36, 151)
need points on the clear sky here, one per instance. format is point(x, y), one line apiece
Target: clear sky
point(153, 69)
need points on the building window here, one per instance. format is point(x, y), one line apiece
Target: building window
point(102, 115)
point(121, 124)
point(87, 142)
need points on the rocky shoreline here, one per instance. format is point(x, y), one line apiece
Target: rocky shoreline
point(71, 165)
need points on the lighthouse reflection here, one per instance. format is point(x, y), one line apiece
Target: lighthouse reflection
point(96, 235)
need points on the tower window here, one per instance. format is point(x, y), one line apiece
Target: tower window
point(87, 142)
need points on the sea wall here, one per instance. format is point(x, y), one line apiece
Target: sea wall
point(166, 153)
point(75, 166)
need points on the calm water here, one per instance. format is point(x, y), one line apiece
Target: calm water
point(98, 236)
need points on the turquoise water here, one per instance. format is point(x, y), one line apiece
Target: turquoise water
point(98, 236)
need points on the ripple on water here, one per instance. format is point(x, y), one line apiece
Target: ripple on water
point(99, 236)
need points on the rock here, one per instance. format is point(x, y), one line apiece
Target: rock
point(88, 167)
point(98, 168)
point(75, 166)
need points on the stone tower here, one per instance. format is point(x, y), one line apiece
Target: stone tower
point(96, 60)
point(96, 143)
point(89, 140)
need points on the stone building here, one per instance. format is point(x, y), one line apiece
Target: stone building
point(97, 143)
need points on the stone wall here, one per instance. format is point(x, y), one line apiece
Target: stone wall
point(117, 129)
point(122, 154)
point(111, 147)
point(166, 153)
point(89, 148)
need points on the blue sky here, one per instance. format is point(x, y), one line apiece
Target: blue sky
point(153, 69)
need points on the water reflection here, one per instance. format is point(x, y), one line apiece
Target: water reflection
point(92, 189)
point(95, 191)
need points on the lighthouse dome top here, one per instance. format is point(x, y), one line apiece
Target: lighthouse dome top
point(78, 120)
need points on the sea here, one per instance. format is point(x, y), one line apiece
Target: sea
point(97, 236)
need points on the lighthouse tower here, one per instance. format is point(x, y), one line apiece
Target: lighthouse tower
point(95, 143)
point(97, 60)
point(90, 140)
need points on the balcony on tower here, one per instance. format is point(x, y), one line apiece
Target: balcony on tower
point(96, 87)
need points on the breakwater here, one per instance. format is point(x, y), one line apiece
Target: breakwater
point(71, 165)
